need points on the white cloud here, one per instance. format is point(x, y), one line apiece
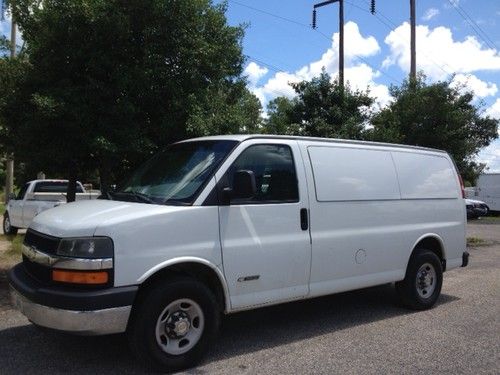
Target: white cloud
point(494, 110)
point(254, 72)
point(470, 82)
point(430, 14)
point(359, 74)
point(438, 55)
point(491, 156)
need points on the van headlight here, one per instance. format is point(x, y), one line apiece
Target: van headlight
point(89, 247)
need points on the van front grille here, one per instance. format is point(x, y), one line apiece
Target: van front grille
point(42, 242)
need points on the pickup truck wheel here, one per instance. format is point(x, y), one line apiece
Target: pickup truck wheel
point(422, 284)
point(8, 229)
point(173, 325)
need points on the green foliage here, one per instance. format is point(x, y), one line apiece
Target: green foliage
point(108, 82)
point(438, 116)
point(322, 108)
point(224, 110)
point(4, 45)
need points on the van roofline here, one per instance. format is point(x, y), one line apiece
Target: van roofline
point(246, 137)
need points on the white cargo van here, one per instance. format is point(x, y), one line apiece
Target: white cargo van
point(228, 223)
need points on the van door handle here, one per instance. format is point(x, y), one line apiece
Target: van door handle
point(304, 220)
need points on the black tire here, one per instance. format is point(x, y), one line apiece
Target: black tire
point(142, 327)
point(410, 291)
point(8, 229)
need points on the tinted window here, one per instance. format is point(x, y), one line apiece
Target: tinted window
point(22, 192)
point(55, 187)
point(274, 171)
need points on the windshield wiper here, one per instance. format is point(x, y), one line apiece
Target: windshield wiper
point(139, 197)
point(176, 202)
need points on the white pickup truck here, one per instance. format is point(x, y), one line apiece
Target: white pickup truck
point(37, 196)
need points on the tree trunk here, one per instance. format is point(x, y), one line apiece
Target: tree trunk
point(71, 193)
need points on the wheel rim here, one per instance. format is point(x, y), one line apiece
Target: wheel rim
point(180, 326)
point(6, 224)
point(426, 280)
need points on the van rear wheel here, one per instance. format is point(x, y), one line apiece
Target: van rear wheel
point(422, 284)
point(173, 325)
point(8, 229)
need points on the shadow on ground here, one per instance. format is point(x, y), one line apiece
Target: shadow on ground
point(27, 349)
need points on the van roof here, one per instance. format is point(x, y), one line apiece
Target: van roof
point(244, 137)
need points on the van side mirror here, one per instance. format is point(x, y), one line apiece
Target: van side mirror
point(244, 187)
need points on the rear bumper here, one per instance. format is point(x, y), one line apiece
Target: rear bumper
point(465, 259)
point(85, 312)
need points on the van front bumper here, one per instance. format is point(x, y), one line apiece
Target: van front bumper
point(96, 312)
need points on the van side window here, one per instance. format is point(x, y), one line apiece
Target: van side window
point(274, 170)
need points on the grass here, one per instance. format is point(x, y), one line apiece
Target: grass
point(11, 253)
point(475, 241)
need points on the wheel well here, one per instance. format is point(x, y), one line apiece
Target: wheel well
point(194, 270)
point(434, 245)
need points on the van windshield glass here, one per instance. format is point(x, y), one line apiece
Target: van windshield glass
point(176, 175)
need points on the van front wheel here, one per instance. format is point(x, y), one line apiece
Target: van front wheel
point(422, 284)
point(173, 325)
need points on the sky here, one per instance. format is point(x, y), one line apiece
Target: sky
point(460, 37)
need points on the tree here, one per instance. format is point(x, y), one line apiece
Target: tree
point(109, 82)
point(322, 108)
point(439, 116)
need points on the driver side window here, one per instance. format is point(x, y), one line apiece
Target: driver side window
point(22, 192)
point(274, 171)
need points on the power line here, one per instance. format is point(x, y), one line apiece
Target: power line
point(269, 13)
point(364, 60)
point(477, 29)
point(392, 26)
point(317, 31)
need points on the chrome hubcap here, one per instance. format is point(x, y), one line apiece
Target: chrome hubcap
point(180, 326)
point(6, 224)
point(426, 280)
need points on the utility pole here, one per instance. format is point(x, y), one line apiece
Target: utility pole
point(413, 65)
point(341, 34)
point(9, 167)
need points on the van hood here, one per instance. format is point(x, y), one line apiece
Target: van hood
point(82, 218)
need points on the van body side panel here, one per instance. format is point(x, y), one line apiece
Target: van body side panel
point(362, 231)
point(431, 182)
point(167, 233)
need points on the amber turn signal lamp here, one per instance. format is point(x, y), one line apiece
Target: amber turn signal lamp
point(79, 277)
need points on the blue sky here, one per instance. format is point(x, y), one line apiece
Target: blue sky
point(282, 48)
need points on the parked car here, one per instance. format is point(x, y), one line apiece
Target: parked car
point(476, 209)
point(35, 197)
point(231, 223)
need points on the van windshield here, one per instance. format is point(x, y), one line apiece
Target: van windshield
point(177, 174)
